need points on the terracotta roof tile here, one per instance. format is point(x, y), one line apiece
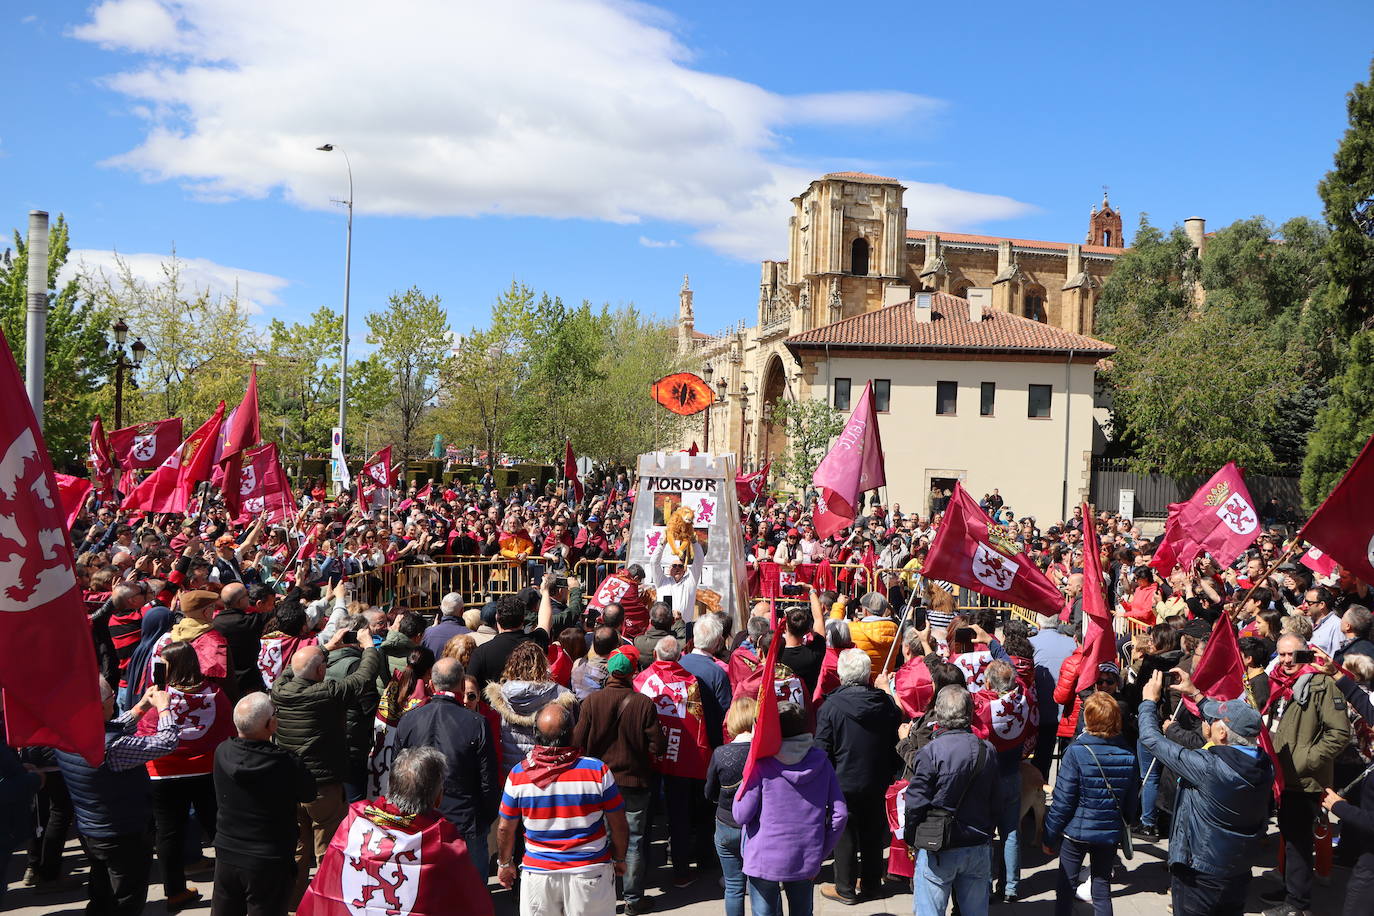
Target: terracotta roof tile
point(920, 234)
point(949, 329)
point(857, 176)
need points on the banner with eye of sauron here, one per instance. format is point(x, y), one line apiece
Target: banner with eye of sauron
point(686, 511)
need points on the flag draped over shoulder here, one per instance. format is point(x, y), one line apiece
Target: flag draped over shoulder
point(851, 468)
point(48, 671)
point(1099, 643)
point(383, 863)
point(1343, 526)
point(970, 550)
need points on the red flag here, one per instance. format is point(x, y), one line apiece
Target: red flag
point(102, 464)
point(73, 492)
point(378, 469)
point(240, 433)
point(1316, 560)
point(749, 486)
point(1176, 549)
point(767, 728)
point(1220, 518)
point(381, 861)
point(570, 470)
point(970, 550)
point(1220, 673)
point(145, 445)
point(1099, 643)
point(851, 468)
point(48, 672)
point(1342, 526)
point(169, 488)
point(263, 486)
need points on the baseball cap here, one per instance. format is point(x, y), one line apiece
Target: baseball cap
point(1239, 716)
point(619, 663)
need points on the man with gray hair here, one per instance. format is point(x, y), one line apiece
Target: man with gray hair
point(708, 639)
point(471, 786)
point(1356, 624)
point(450, 624)
point(385, 839)
point(259, 784)
point(955, 772)
point(856, 726)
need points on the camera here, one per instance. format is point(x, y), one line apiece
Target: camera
point(350, 638)
point(1304, 656)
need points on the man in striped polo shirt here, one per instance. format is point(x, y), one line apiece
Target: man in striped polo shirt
point(575, 828)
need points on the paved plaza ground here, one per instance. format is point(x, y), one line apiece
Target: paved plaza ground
point(1139, 890)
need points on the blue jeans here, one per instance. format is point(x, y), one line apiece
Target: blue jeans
point(731, 867)
point(965, 871)
point(1101, 857)
point(637, 817)
point(477, 851)
point(1149, 787)
point(1009, 828)
point(765, 897)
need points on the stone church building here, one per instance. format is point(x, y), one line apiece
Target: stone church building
point(934, 319)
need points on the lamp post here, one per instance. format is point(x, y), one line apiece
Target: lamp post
point(706, 374)
point(743, 422)
point(133, 361)
point(348, 275)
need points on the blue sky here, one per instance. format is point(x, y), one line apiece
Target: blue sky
point(600, 149)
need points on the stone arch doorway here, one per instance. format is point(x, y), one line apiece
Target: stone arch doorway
point(772, 432)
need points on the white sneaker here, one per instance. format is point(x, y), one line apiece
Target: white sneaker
point(1085, 891)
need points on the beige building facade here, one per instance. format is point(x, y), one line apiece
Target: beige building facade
point(851, 255)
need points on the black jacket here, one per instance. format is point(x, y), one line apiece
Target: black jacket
point(856, 726)
point(258, 785)
point(243, 633)
point(471, 789)
point(313, 716)
point(489, 659)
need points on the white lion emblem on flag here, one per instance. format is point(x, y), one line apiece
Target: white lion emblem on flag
point(248, 481)
point(381, 870)
point(1238, 515)
point(145, 447)
point(992, 569)
point(31, 574)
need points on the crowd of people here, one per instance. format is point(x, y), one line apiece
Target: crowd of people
point(269, 698)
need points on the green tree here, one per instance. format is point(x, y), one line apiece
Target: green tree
point(299, 381)
point(1345, 310)
point(810, 425)
point(413, 343)
point(75, 367)
point(1213, 359)
point(200, 344)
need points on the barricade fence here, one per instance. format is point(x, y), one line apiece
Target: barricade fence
point(420, 585)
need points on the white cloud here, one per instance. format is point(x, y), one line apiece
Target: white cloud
point(256, 291)
point(553, 108)
point(655, 243)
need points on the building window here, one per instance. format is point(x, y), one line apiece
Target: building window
point(988, 399)
point(1039, 401)
point(882, 395)
point(1035, 308)
point(841, 394)
point(946, 398)
point(1107, 237)
point(858, 258)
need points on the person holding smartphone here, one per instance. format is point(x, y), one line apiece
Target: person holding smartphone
point(1306, 714)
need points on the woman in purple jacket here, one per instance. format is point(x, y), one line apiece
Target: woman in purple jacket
point(792, 816)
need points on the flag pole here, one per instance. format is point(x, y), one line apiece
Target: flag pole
point(901, 623)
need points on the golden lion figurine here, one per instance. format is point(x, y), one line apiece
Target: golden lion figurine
point(682, 537)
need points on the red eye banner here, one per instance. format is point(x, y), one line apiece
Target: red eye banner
point(684, 393)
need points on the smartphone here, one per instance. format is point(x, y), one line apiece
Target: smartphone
point(668, 601)
point(160, 675)
point(1304, 656)
point(965, 634)
point(1173, 678)
point(350, 638)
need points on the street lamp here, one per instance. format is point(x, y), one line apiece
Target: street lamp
point(706, 373)
point(133, 361)
point(348, 274)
